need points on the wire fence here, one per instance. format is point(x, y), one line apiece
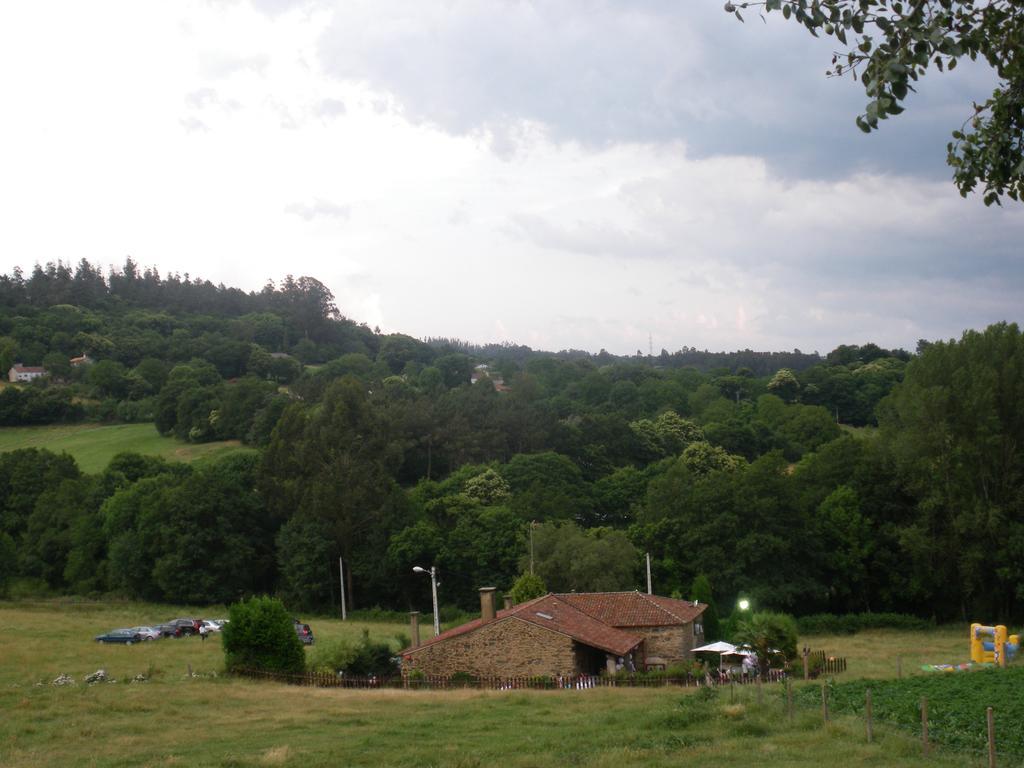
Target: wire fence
point(495, 683)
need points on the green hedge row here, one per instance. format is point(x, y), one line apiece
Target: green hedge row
point(851, 623)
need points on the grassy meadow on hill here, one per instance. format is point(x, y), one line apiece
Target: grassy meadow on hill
point(215, 720)
point(94, 445)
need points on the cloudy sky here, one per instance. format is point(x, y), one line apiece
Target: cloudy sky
point(579, 174)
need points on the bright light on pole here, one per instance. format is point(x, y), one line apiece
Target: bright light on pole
point(743, 604)
point(433, 590)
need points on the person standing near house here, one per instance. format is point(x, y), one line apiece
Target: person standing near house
point(750, 665)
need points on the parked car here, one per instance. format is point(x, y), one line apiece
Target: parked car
point(178, 628)
point(211, 626)
point(304, 632)
point(168, 630)
point(185, 626)
point(124, 636)
point(148, 633)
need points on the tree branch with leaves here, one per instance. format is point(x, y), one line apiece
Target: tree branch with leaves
point(891, 44)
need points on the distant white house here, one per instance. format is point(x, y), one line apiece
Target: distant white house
point(21, 372)
point(482, 372)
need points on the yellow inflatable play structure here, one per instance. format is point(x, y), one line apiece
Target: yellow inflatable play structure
point(992, 645)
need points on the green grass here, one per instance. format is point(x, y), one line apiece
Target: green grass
point(873, 653)
point(956, 705)
point(93, 446)
point(218, 721)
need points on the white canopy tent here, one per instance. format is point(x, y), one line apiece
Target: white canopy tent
point(722, 648)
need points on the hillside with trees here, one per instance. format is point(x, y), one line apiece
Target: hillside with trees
point(864, 480)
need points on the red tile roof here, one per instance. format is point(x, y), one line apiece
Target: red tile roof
point(29, 368)
point(556, 615)
point(634, 609)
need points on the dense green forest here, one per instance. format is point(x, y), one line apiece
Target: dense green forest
point(863, 480)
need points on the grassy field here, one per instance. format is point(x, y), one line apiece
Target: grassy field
point(873, 653)
point(93, 445)
point(211, 720)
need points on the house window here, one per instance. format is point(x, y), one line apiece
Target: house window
point(698, 629)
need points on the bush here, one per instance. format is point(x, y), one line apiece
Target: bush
point(362, 659)
point(851, 623)
point(768, 634)
point(261, 635)
point(527, 587)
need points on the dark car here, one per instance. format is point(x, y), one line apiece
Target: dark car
point(177, 628)
point(185, 627)
point(124, 636)
point(304, 632)
point(167, 630)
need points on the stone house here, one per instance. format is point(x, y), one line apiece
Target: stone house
point(563, 634)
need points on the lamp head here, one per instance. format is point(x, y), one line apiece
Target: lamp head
point(417, 569)
point(744, 604)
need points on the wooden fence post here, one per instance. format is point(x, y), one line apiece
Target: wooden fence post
point(807, 672)
point(924, 725)
point(991, 738)
point(867, 713)
point(824, 703)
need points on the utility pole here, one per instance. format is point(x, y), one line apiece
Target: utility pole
point(649, 591)
point(341, 583)
point(433, 591)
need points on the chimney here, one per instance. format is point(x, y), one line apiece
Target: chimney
point(508, 602)
point(487, 603)
point(414, 628)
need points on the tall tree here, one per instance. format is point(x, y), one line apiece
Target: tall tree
point(334, 463)
point(955, 429)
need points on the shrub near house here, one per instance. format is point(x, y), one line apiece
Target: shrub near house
point(260, 635)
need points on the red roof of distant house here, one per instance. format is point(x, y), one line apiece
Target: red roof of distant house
point(634, 609)
point(593, 618)
point(29, 368)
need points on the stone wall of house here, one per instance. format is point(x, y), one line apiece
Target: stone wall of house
point(503, 648)
point(666, 645)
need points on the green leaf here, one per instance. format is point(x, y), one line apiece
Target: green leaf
point(862, 125)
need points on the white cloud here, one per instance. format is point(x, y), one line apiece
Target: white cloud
point(218, 140)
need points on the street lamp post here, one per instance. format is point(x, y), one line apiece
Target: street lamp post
point(433, 590)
